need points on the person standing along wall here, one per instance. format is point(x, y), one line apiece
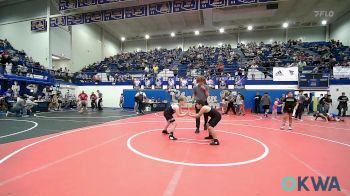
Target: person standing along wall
point(300, 108)
point(343, 104)
point(99, 102)
point(257, 100)
point(266, 102)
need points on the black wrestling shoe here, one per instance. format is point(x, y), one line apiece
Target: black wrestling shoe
point(165, 132)
point(197, 131)
point(215, 142)
point(210, 137)
point(172, 137)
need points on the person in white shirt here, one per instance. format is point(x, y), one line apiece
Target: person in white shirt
point(15, 88)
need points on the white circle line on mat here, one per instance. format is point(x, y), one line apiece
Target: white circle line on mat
point(16, 133)
point(262, 156)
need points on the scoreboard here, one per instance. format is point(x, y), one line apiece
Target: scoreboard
point(313, 81)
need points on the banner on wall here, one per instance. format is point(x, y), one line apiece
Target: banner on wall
point(148, 83)
point(84, 3)
point(171, 83)
point(93, 17)
point(38, 25)
point(158, 83)
point(58, 21)
point(205, 4)
point(341, 72)
point(109, 1)
point(136, 11)
point(241, 2)
point(115, 14)
point(210, 81)
point(185, 5)
point(67, 4)
point(75, 19)
point(139, 11)
point(240, 82)
point(285, 74)
point(223, 82)
point(137, 83)
point(183, 83)
point(160, 8)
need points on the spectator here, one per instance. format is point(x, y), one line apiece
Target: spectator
point(343, 104)
point(19, 108)
point(257, 100)
point(82, 101)
point(121, 102)
point(300, 109)
point(327, 103)
point(99, 102)
point(266, 102)
point(93, 99)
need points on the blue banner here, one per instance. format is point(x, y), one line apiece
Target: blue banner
point(205, 4)
point(116, 14)
point(58, 21)
point(109, 1)
point(84, 3)
point(185, 5)
point(75, 19)
point(137, 11)
point(160, 8)
point(93, 17)
point(67, 4)
point(241, 2)
point(266, 1)
point(38, 25)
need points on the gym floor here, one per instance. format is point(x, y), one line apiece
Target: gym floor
point(117, 153)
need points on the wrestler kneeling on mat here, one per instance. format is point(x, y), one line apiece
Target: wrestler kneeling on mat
point(168, 114)
point(215, 118)
point(328, 117)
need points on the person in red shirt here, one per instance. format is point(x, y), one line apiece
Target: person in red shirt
point(93, 99)
point(83, 98)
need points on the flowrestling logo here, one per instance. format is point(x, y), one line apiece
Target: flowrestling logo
point(310, 183)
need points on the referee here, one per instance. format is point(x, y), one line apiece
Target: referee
point(201, 93)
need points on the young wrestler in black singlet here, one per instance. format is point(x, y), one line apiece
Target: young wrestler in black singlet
point(169, 111)
point(215, 118)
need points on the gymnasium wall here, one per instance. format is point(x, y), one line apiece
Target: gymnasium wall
point(61, 42)
point(90, 44)
point(339, 30)
point(111, 94)
point(15, 27)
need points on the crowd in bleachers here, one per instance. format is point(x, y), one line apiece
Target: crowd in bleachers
point(310, 57)
point(16, 62)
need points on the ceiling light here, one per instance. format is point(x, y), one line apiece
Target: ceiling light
point(147, 36)
point(324, 22)
point(196, 32)
point(122, 38)
point(250, 27)
point(285, 25)
point(172, 34)
point(221, 30)
point(55, 57)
